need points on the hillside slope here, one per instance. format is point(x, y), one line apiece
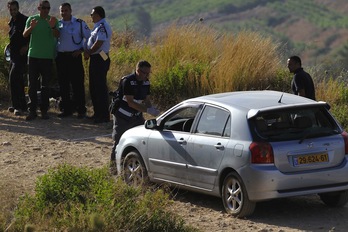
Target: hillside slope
point(314, 29)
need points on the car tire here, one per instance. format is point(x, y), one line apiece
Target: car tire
point(235, 198)
point(134, 169)
point(335, 199)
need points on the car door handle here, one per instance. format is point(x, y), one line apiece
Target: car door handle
point(219, 146)
point(182, 141)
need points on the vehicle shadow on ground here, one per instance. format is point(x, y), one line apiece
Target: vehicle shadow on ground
point(306, 213)
point(67, 129)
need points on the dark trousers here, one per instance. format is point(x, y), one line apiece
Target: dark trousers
point(40, 74)
point(120, 126)
point(17, 83)
point(98, 69)
point(71, 77)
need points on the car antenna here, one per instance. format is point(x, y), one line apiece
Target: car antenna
point(280, 99)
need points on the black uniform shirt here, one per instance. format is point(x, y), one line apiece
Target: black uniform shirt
point(302, 80)
point(139, 90)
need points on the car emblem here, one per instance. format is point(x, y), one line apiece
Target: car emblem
point(310, 145)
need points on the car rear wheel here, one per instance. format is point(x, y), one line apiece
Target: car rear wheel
point(134, 170)
point(235, 198)
point(335, 199)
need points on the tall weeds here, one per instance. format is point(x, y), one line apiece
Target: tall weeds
point(248, 61)
point(195, 59)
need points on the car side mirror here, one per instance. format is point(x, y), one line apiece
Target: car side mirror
point(151, 124)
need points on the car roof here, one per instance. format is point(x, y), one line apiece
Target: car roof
point(253, 102)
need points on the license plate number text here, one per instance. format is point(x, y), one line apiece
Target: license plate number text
point(308, 159)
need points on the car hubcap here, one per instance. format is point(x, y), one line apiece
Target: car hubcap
point(234, 195)
point(133, 172)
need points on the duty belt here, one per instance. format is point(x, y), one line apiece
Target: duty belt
point(129, 114)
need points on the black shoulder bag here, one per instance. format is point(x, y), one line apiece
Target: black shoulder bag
point(116, 99)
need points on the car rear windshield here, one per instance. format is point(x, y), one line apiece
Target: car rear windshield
point(293, 124)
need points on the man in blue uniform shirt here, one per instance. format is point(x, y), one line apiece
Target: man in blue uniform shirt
point(72, 41)
point(98, 47)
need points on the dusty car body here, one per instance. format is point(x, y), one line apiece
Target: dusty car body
point(244, 147)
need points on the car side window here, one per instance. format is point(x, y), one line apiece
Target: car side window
point(214, 121)
point(181, 120)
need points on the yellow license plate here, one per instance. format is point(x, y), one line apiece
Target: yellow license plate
point(308, 159)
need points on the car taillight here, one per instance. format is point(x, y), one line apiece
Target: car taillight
point(345, 138)
point(261, 153)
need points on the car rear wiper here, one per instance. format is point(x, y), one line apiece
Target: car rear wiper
point(322, 133)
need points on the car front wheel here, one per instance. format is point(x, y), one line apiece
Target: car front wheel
point(134, 170)
point(335, 199)
point(235, 198)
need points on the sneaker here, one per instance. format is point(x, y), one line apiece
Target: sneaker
point(11, 109)
point(44, 115)
point(17, 112)
point(64, 115)
point(31, 116)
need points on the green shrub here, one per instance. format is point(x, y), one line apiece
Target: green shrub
point(78, 199)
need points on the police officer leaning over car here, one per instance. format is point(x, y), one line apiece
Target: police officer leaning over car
point(135, 95)
point(72, 41)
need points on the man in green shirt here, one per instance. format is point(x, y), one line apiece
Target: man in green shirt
point(43, 31)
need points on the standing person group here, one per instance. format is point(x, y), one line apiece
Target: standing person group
point(18, 58)
point(43, 31)
point(71, 44)
point(44, 39)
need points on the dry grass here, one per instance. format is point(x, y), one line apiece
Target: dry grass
point(248, 61)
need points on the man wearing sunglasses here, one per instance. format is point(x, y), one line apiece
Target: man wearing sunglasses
point(134, 100)
point(72, 41)
point(43, 31)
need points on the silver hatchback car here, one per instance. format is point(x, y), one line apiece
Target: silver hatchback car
point(244, 147)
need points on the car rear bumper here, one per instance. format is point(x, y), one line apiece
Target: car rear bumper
point(265, 182)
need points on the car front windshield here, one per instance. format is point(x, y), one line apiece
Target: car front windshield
point(294, 124)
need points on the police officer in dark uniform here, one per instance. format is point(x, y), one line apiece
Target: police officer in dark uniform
point(18, 58)
point(135, 94)
point(98, 47)
point(74, 34)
